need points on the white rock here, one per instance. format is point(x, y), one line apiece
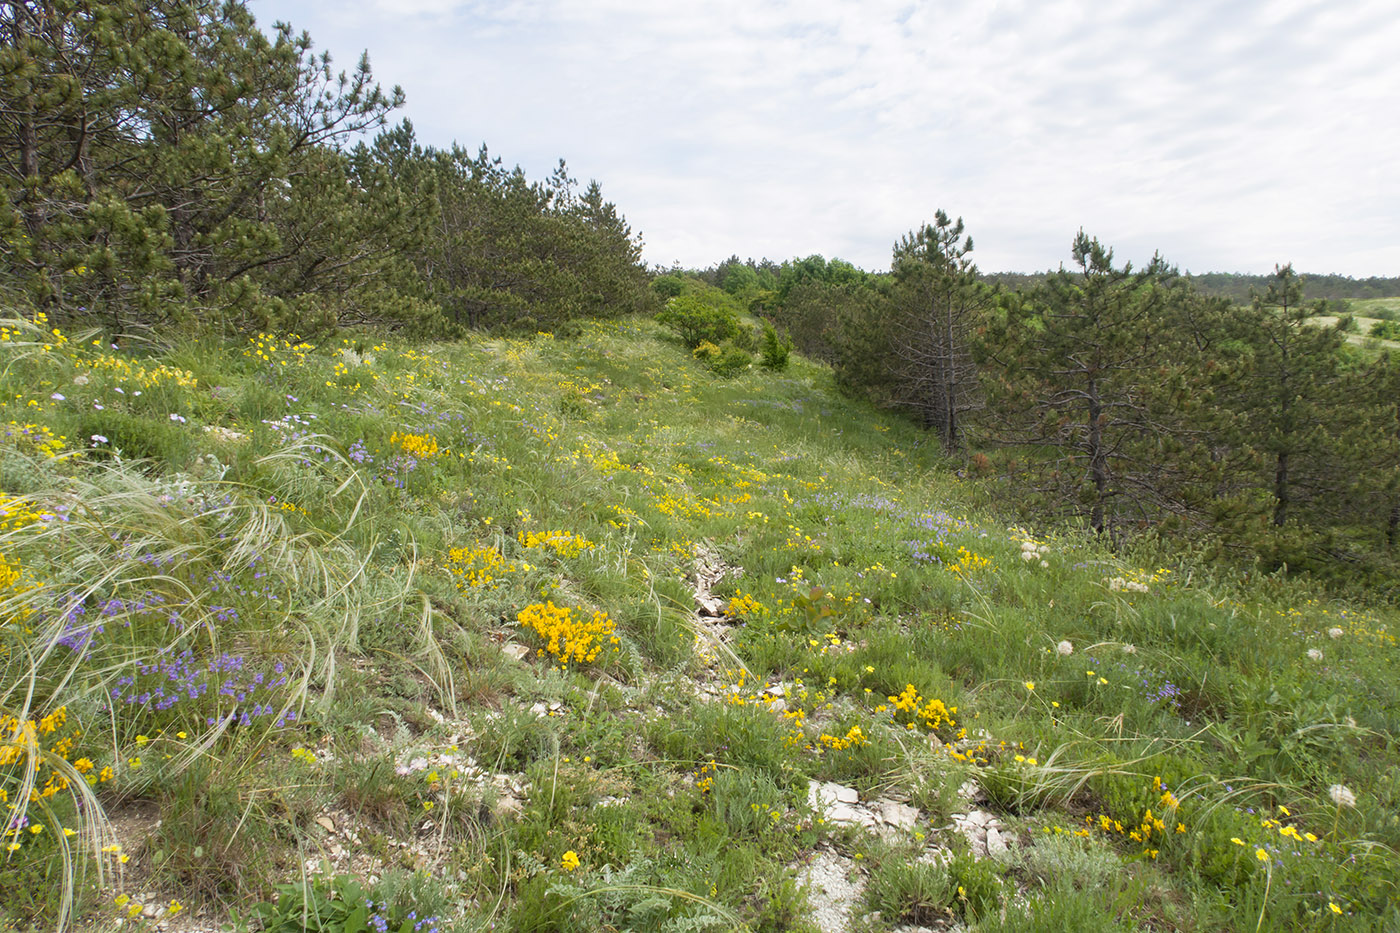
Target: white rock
point(326, 823)
point(515, 652)
point(996, 845)
point(896, 814)
point(833, 887)
point(845, 815)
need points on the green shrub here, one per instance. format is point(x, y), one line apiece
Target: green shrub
point(668, 286)
point(724, 361)
point(697, 320)
point(775, 350)
point(1386, 330)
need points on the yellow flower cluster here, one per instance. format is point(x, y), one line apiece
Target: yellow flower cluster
point(32, 745)
point(9, 575)
point(1151, 825)
point(968, 563)
point(36, 438)
point(1286, 830)
point(478, 567)
point(1138, 581)
point(1142, 833)
point(705, 777)
point(933, 713)
point(560, 542)
point(797, 541)
point(128, 371)
point(16, 513)
point(854, 737)
point(422, 446)
point(277, 351)
point(51, 337)
point(744, 606)
point(285, 506)
point(568, 637)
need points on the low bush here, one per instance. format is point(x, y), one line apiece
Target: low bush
point(699, 319)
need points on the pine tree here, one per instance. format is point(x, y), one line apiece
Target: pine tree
point(1285, 396)
point(144, 148)
point(1083, 384)
point(937, 300)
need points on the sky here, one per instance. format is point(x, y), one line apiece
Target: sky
point(1228, 136)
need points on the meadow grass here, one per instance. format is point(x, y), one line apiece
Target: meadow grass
point(446, 594)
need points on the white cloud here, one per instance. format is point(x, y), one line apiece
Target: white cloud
point(1228, 137)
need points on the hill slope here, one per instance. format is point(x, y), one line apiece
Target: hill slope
point(564, 634)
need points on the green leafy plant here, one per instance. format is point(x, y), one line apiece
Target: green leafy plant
point(337, 905)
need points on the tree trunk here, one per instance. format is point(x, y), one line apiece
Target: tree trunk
point(1392, 528)
point(1281, 490)
point(1098, 458)
point(951, 442)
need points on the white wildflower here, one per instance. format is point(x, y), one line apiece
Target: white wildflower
point(1065, 647)
point(1341, 795)
point(1335, 632)
point(1314, 654)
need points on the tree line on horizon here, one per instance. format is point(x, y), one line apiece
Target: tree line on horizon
point(1123, 399)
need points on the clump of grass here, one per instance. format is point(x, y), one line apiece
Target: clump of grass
point(919, 893)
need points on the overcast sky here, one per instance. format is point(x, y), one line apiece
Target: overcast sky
point(1227, 136)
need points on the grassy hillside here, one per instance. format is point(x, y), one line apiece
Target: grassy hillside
point(1367, 313)
point(566, 634)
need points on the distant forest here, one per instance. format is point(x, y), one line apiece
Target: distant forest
point(1238, 286)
